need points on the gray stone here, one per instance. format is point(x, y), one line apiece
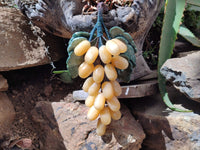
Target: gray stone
point(24, 45)
point(145, 88)
point(184, 74)
point(7, 114)
point(79, 133)
point(3, 84)
point(166, 129)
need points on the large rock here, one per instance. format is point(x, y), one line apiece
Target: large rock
point(79, 133)
point(184, 73)
point(7, 114)
point(3, 84)
point(165, 129)
point(23, 45)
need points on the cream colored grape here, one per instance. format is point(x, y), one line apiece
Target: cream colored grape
point(90, 101)
point(82, 48)
point(93, 113)
point(120, 62)
point(99, 101)
point(113, 104)
point(85, 69)
point(98, 73)
point(91, 55)
point(112, 47)
point(105, 116)
point(101, 128)
point(94, 89)
point(104, 55)
point(117, 88)
point(115, 115)
point(110, 72)
point(122, 45)
point(88, 82)
point(107, 89)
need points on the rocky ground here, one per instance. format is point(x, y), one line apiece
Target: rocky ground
point(37, 110)
point(26, 88)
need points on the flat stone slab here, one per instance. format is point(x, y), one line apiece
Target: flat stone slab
point(65, 126)
point(3, 84)
point(23, 45)
point(184, 74)
point(146, 88)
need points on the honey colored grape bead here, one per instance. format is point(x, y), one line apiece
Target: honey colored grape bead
point(110, 72)
point(94, 89)
point(93, 113)
point(91, 55)
point(117, 88)
point(85, 70)
point(104, 55)
point(98, 73)
point(101, 128)
point(105, 116)
point(107, 89)
point(122, 45)
point(90, 101)
point(113, 104)
point(115, 115)
point(88, 82)
point(99, 101)
point(82, 48)
point(112, 47)
point(120, 62)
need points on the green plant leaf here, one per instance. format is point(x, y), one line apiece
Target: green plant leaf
point(193, 7)
point(194, 2)
point(189, 36)
point(172, 19)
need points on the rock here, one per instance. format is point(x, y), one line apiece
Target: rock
point(62, 18)
point(3, 84)
point(184, 74)
point(7, 114)
point(79, 133)
point(165, 129)
point(183, 54)
point(24, 45)
point(67, 18)
point(145, 88)
point(50, 136)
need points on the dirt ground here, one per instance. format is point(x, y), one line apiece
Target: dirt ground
point(26, 88)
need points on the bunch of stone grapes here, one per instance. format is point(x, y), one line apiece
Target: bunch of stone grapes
point(102, 86)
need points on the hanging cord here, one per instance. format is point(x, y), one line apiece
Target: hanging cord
point(99, 26)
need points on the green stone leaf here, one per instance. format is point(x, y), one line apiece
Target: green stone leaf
point(130, 40)
point(64, 75)
point(81, 34)
point(130, 55)
point(73, 63)
point(116, 31)
point(123, 39)
point(75, 41)
point(125, 75)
